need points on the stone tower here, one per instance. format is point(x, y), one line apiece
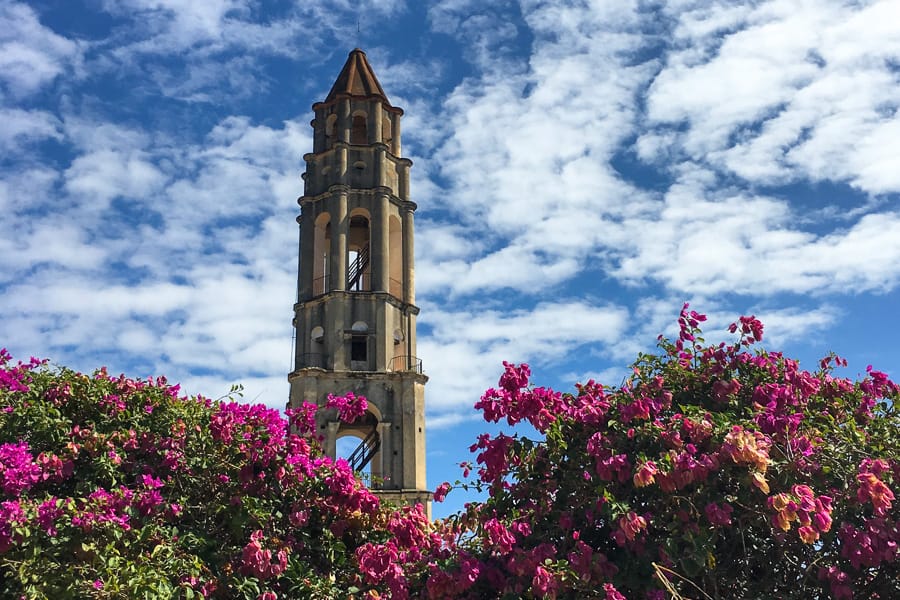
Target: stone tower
point(355, 316)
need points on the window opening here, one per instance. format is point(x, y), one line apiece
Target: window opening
point(358, 132)
point(358, 348)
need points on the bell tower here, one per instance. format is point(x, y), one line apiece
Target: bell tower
point(355, 316)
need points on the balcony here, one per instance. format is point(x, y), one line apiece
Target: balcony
point(400, 364)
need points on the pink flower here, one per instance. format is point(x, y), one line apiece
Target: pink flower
point(644, 475)
point(18, 471)
point(543, 583)
point(441, 492)
point(349, 406)
point(498, 536)
point(719, 515)
point(872, 489)
point(611, 593)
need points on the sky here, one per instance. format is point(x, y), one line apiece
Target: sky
point(582, 168)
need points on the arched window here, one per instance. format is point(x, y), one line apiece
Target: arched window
point(322, 254)
point(359, 133)
point(358, 264)
point(359, 443)
point(387, 135)
point(329, 130)
point(359, 346)
point(395, 257)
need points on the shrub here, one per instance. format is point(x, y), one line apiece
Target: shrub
point(712, 472)
point(120, 488)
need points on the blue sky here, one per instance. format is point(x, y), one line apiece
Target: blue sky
point(582, 168)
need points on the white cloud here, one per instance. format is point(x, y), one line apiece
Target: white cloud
point(464, 352)
point(21, 127)
point(31, 55)
point(99, 177)
point(782, 92)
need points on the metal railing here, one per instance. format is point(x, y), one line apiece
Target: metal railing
point(357, 272)
point(365, 451)
point(361, 283)
point(405, 363)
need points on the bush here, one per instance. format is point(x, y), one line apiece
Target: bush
point(120, 488)
point(712, 472)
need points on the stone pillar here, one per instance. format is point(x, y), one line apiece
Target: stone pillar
point(375, 127)
point(342, 164)
point(387, 454)
point(331, 439)
point(339, 226)
point(380, 242)
point(307, 256)
point(318, 125)
point(395, 132)
point(380, 159)
point(409, 269)
point(343, 122)
point(403, 178)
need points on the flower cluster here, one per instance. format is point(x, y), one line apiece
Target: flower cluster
point(114, 486)
point(711, 468)
point(812, 513)
point(688, 479)
point(349, 406)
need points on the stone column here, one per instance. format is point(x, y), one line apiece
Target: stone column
point(375, 127)
point(342, 163)
point(380, 159)
point(387, 454)
point(307, 256)
point(380, 241)
point(339, 227)
point(409, 278)
point(318, 125)
point(343, 122)
point(331, 439)
point(403, 178)
point(395, 131)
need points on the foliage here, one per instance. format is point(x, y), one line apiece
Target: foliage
point(712, 472)
point(119, 488)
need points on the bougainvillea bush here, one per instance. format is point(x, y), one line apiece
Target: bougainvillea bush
point(120, 488)
point(712, 472)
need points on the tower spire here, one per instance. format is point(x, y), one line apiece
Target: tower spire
point(357, 79)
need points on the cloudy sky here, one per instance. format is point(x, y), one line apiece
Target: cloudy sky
point(582, 168)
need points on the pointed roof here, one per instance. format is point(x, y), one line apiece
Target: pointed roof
point(356, 79)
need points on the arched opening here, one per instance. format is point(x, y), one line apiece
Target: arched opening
point(358, 264)
point(359, 346)
point(387, 135)
point(395, 257)
point(359, 132)
point(330, 122)
point(321, 254)
point(359, 443)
